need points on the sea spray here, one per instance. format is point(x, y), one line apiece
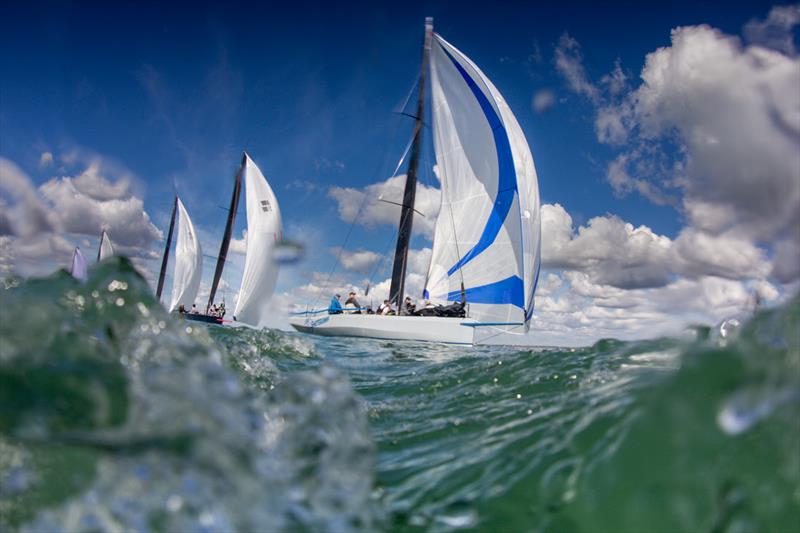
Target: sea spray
point(149, 426)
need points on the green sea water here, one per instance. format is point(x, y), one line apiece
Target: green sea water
point(115, 416)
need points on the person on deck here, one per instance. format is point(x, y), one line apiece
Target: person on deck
point(386, 308)
point(194, 309)
point(335, 307)
point(351, 301)
point(408, 306)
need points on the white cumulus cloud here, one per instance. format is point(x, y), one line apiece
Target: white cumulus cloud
point(45, 222)
point(376, 204)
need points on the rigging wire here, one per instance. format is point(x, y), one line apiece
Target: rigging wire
point(360, 210)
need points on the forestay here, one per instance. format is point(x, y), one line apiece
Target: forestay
point(488, 231)
point(188, 262)
point(264, 230)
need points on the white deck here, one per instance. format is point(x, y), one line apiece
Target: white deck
point(416, 328)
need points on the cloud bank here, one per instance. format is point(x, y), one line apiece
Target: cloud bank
point(41, 225)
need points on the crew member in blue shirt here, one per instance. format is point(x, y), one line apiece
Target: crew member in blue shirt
point(335, 307)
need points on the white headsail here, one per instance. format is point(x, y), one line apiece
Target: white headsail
point(78, 266)
point(188, 262)
point(488, 231)
point(264, 230)
point(106, 248)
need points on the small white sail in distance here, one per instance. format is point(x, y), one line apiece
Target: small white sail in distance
point(106, 249)
point(188, 262)
point(78, 266)
point(264, 231)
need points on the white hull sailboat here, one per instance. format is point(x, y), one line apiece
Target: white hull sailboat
point(409, 328)
point(488, 233)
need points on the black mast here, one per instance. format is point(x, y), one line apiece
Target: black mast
point(100, 248)
point(407, 210)
point(226, 237)
point(163, 273)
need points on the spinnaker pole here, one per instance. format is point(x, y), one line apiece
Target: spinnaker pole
point(397, 288)
point(165, 258)
point(226, 237)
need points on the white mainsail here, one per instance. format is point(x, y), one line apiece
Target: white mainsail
point(488, 232)
point(264, 230)
point(188, 262)
point(106, 248)
point(78, 266)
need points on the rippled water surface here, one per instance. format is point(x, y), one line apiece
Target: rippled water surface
point(115, 416)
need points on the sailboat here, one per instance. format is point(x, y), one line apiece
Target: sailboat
point(264, 231)
point(188, 268)
point(487, 238)
point(106, 249)
point(78, 268)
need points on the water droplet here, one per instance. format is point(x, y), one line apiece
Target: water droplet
point(120, 302)
point(519, 396)
point(174, 503)
point(287, 252)
point(206, 519)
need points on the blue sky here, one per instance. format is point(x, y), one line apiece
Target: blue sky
point(168, 97)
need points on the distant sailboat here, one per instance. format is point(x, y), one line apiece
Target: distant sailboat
point(106, 249)
point(78, 266)
point(264, 231)
point(188, 269)
point(487, 237)
point(188, 262)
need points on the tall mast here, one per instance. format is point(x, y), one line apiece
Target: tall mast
point(163, 273)
point(226, 237)
point(407, 210)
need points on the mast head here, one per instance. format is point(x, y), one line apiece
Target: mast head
point(245, 157)
point(428, 23)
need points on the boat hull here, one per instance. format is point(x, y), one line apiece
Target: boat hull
point(207, 319)
point(412, 328)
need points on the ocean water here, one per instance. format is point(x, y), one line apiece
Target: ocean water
point(115, 416)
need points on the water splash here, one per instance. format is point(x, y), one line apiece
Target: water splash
point(170, 434)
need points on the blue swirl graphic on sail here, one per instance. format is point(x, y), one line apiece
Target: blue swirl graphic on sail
point(507, 178)
point(506, 291)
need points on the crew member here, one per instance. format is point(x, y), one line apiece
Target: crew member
point(335, 307)
point(351, 300)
